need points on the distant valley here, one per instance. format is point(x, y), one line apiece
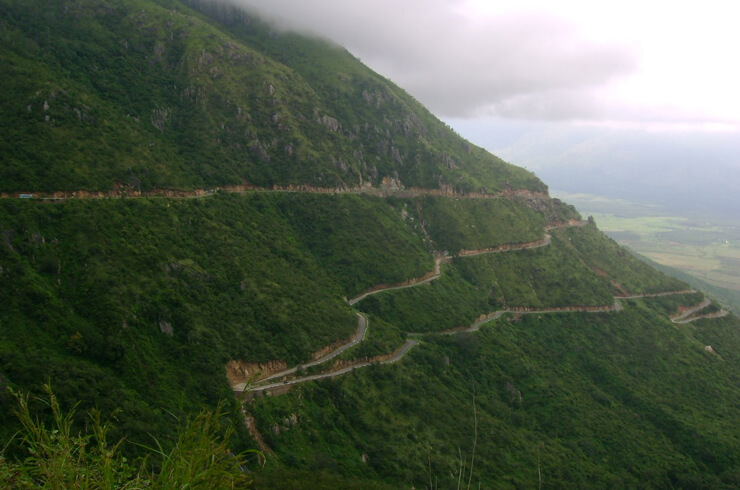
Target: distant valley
point(697, 245)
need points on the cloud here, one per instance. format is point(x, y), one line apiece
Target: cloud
point(529, 66)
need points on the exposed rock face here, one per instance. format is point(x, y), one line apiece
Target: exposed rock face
point(330, 123)
point(166, 327)
point(391, 183)
point(160, 117)
point(514, 394)
point(242, 372)
point(340, 364)
point(251, 426)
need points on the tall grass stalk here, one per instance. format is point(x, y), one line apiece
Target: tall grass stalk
point(201, 458)
point(59, 458)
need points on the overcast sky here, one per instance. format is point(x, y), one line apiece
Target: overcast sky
point(657, 64)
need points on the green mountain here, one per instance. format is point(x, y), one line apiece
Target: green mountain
point(375, 302)
point(149, 94)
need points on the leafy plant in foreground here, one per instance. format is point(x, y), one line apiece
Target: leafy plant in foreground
point(59, 458)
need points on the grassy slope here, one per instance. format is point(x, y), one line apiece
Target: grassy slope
point(590, 401)
point(593, 394)
point(398, 136)
point(89, 287)
point(605, 255)
point(554, 276)
point(465, 224)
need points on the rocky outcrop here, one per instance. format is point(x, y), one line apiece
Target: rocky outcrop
point(160, 117)
point(391, 183)
point(238, 371)
point(166, 328)
point(251, 427)
point(329, 123)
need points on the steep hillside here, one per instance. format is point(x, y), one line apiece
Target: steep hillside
point(149, 94)
point(378, 303)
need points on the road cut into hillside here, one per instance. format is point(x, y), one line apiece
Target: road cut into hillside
point(690, 314)
point(123, 191)
point(287, 377)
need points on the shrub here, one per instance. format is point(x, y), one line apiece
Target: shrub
point(60, 458)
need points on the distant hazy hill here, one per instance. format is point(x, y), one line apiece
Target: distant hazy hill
point(692, 173)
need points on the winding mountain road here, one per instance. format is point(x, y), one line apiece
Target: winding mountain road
point(439, 259)
point(686, 316)
point(717, 314)
point(658, 295)
point(122, 191)
point(358, 337)
point(363, 322)
point(408, 284)
point(331, 374)
point(265, 385)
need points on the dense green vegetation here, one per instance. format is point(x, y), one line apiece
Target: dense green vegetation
point(146, 300)
point(143, 302)
point(583, 400)
point(59, 456)
point(397, 136)
point(382, 338)
point(447, 302)
point(551, 276)
point(669, 305)
point(474, 224)
point(612, 261)
point(148, 93)
point(361, 242)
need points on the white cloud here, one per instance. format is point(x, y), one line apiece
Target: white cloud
point(460, 65)
point(631, 62)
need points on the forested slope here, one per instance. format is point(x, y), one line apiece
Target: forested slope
point(150, 94)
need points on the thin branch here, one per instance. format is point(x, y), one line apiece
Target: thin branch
point(460, 473)
point(475, 442)
point(539, 469)
point(429, 459)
